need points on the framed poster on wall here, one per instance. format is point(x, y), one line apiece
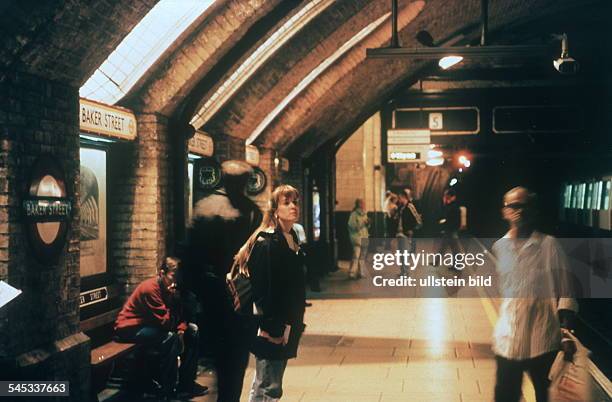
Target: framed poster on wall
point(92, 201)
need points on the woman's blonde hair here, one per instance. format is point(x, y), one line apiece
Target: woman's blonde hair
point(269, 223)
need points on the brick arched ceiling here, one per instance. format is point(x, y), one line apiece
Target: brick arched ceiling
point(345, 94)
point(333, 26)
point(198, 51)
point(314, 87)
point(64, 40)
point(349, 89)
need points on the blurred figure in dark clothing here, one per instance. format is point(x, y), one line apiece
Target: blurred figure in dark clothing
point(221, 223)
point(409, 221)
point(450, 223)
point(391, 210)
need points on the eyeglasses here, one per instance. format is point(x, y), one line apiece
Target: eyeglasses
point(516, 205)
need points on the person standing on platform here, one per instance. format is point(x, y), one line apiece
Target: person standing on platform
point(358, 230)
point(450, 223)
point(221, 223)
point(391, 210)
point(312, 276)
point(274, 261)
point(410, 220)
point(532, 271)
point(152, 316)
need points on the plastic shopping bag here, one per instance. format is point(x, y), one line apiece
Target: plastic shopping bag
point(571, 381)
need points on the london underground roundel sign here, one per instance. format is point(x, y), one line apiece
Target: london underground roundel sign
point(46, 209)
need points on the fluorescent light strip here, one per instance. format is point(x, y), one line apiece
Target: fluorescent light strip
point(314, 74)
point(257, 59)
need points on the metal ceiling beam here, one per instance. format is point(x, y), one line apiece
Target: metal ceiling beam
point(466, 52)
point(484, 21)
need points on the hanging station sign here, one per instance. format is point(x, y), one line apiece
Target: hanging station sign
point(452, 120)
point(101, 119)
point(47, 209)
point(405, 137)
point(252, 155)
point(407, 153)
point(201, 144)
point(407, 145)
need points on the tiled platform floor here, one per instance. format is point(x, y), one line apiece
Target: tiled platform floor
point(358, 348)
point(396, 349)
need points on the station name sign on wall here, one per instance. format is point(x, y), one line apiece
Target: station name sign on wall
point(201, 144)
point(93, 296)
point(111, 121)
point(252, 155)
point(46, 209)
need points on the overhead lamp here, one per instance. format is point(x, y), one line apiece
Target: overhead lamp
point(447, 62)
point(435, 157)
point(565, 64)
point(434, 153)
point(435, 162)
point(464, 161)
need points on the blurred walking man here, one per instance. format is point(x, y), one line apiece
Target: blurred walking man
point(531, 267)
point(222, 222)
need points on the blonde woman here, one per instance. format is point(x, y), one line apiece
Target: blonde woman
point(273, 259)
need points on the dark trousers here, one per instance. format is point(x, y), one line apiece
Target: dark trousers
point(168, 345)
point(450, 241)
point(406, 242)
point(227, 335)
point(509, 377)
point(231, 366)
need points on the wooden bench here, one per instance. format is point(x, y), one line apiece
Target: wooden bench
point(109, 352)
point(104, 356)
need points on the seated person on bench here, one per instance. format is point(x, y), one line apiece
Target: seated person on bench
point(152, 316)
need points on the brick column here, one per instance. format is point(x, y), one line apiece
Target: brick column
point(40, 329)
point(266, 163)
point(294, 175)
point(141, 220)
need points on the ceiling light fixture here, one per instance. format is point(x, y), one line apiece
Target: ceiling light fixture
point(447, 62)
point(565, 64)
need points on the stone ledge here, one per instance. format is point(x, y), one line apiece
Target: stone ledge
point(39, 355)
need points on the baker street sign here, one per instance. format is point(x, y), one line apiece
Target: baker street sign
point(46, 209)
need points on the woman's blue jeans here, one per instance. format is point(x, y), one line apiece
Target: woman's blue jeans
point(268, 380)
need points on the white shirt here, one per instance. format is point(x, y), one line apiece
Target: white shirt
point(301, 234)
point(528, 325)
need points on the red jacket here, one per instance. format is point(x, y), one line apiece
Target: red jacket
point(149, 305)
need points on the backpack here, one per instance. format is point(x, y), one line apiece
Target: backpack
point(240, 289)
